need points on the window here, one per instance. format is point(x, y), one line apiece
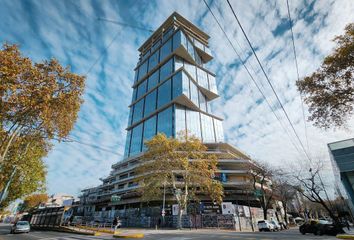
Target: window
point(165, 50)
point(207, 128)
point(150, 103)
point(164, 94)
point(184, 40)
point(136, 139)
point(191, 70)
point(143, 70)
point(164, 123)
point(190, 49)
point(178, 63)
point(130, 115)
point(127, 144)
point(202, 101)
point(185, 83)
point(193, 123)
point(166, 70)
point(136, 76)
point(141, 89)
point(176, 40)
point(194, 93)
point(180, 119)
point(156, 45)
point(134, 95)
point(153, 80)
point(167, 33)
point(219, 132)
point(138, 110)
point(150, 128)
point(154, 60)
point(212, 83)
point(202, 78)
point(177, 85)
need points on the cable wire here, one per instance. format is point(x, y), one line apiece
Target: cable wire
point(268, 80)
point(297, 70)
point(251, 76)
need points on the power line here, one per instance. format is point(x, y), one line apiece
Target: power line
point(297, 70)
point(125, 24)
point(249, 73)
point(268, 80)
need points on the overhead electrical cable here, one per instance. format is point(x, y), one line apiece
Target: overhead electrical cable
point(251, 76)
point(268, 80)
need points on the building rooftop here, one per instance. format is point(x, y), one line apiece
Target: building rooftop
point(175, 20)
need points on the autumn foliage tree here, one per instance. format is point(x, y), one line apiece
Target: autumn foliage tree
point(33, 201)
point(329, 92)
point(39, 102)
point(182, 167)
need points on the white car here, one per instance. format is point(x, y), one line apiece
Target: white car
point(21, 227)
point(277, 226)
point(265, 225)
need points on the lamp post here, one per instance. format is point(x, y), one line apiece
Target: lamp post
point(163, 204)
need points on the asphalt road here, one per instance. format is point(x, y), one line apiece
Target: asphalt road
point(167, 234)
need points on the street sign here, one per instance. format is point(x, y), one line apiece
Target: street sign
point(115, 198)
point(258, 193)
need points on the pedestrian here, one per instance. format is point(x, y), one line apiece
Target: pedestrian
point(116, 223)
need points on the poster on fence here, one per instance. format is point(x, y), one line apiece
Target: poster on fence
point(175, 209)
point(246, 211)
point(227, 208)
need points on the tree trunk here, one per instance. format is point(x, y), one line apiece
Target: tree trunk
point(13, 136)
point(265, 213)
point(285, 214)
point(179, 220)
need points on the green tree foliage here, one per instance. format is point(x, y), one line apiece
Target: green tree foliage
point(182, 166)
point(329, 92)
point(39, 102)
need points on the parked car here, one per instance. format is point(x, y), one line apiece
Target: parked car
point(20, 227)
point(320, 227)
point(277, 226)
point(265, 225)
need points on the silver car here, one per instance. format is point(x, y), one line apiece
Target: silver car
point(21, 227)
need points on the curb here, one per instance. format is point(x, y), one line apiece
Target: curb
point(132, 235)
point(345, 236)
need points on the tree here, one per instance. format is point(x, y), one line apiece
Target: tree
point(285, 191)
point(39, 102)
point(262, 185)
point(40, 98)
point(312, 188)
point(182, 167)
point(329, 92)
point(33, 201)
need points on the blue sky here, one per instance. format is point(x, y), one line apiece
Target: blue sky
point(70, 31)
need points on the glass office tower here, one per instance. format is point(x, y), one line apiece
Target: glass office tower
point(172, 89)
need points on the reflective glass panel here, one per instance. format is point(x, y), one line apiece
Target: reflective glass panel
point(176, 40)
point(134, 94)
point(167, 34)
point(178, 63)
point(219, 132)
point(138, 110)
point(143, 70)
point(212, 83)
point(141, 89)
point(193, 123)
point(127, 144)
point(190, 70)
point(207, 128)
point(202, 78)
point(154, 60)
point(202, 101)
point(166, 70)
point(164, 123)
point(180, 119)
point(166, 49)
point(150, 103)
point(149, 128)
point(164, 95)
point(135, 146)
point(194, 93)
point(177, 85)
point(153, 80)
point(185, 83)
